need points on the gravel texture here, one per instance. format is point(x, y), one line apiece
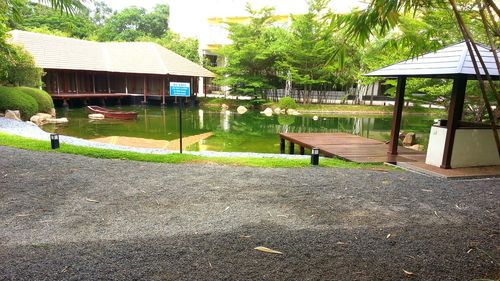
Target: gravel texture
point(67, 217)
point(27, 130)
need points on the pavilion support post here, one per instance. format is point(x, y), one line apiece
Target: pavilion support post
point(145, 89)
point(163, 91)
point(76, 82)
point(109, 84)
point(397, 115)
point(57, 83)
point(454, 116)
point(302, 150)
point(93, 83)
point(126, 84)
point(282, 145)
point(291, 148)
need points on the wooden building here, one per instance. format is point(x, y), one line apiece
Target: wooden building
point(80, 69)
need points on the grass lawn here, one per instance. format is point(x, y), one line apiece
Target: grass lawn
point(38, 145)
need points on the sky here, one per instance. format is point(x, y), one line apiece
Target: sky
point(189, 17)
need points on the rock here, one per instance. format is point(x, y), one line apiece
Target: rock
point(277, 110)
point(315, 118)
point(418, 147)
point(241, 109)
point(57, 120)
point(224, 106)
point(31, 123)
point(291, 111)
point(35, 119)
point(96, 116)
point(44, 116)
point(52, 112)
point(2, 115)
point(13, 114)
point(283, 111)
point(268, 112)
point(409, 139)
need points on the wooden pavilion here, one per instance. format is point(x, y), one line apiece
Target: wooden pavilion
point(453, 143)
point(80, 69)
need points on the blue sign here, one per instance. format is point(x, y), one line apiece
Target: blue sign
point(178, 89)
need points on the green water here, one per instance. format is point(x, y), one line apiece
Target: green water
point(250, 132)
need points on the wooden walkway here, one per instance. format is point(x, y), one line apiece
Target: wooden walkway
point(349, 147)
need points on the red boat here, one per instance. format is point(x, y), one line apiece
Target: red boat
point(108, 113)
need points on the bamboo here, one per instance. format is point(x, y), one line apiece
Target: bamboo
point(494, 6)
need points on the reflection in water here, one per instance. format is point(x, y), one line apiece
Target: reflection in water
point(225, 120)
point(200, 118)
point(251, 131)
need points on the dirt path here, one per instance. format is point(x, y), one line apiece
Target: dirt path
point(65, 217)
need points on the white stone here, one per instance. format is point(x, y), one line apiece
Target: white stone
point(283, 111)
point(13, 114)
point(31, 123)
point(35, 119)
point(268, 112)
point(96, 116)
point(52, 112)
point(315, 118)
point(57, 120)
point(277, 110)
point(224, 106)
point(241, 109)
point(292, 112)
point(43, 117)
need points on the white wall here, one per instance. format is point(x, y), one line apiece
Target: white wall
point(472, 148)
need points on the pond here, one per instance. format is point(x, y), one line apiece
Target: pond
point(232, 132)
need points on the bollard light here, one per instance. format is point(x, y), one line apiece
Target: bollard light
point(315, 156)
point(54, 141)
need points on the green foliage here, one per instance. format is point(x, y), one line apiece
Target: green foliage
point(251, 58)
point(37, 17)
point(13, 99)
point(287, 102)
point(132, 23)
point(17, 67)
point(186, 47)
point(43, 99)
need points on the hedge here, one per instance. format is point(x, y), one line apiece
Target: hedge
point(13, 99)
point(43, 98)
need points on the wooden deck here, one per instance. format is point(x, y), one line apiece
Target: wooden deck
point(349, 147)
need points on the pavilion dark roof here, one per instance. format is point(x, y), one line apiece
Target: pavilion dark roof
point(54, 52)
point(445, 62)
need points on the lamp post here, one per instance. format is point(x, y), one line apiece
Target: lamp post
point(315, 156)
point(54, 141)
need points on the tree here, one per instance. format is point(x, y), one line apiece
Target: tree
point(311, 47)
point(251, 58)
point(39, 17)
point(132, 23)
point(186, 47)
point(16, 66)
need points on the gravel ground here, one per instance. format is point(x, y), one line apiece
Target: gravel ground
point(67, 217)
point(24, 129)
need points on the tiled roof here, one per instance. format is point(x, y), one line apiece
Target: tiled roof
point(448, 61)
point(54, 52)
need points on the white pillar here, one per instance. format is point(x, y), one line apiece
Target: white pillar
point(201, 86)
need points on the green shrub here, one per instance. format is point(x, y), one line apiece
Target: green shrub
point(257, 103)
point(14, 99)
point(43, 98)
point(287, 102)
